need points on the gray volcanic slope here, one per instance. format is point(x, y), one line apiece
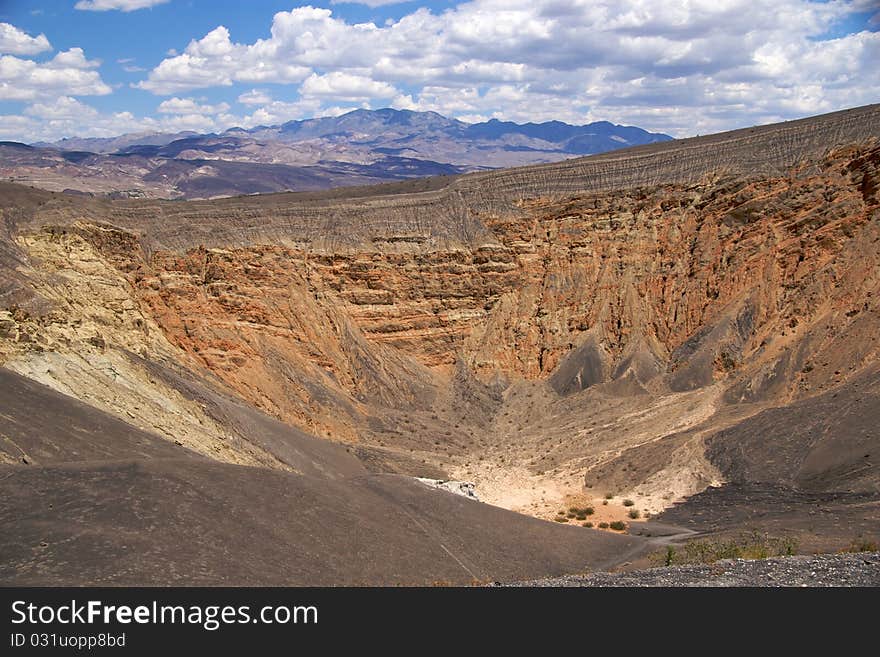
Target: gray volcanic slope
point(39, 425)
point(808, 470)
point(826, 443)
point(115, 505)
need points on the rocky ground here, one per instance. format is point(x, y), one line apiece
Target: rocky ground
point(860, 569)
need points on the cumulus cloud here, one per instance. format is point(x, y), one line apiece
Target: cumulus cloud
point(255, 97)
point(345, 86)
point(684, 66)
point(68, 73)
point(121, 5)
point(14, 127)
point(13, 41)
point(54, 119)
point(74, 58)
point(275, 112)
point(67, 117)
point(64, 107)
point(189, 106)
point(215, 61)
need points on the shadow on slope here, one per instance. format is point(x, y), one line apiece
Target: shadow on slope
point(120, 506)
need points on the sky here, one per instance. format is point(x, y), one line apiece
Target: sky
point(101, 68)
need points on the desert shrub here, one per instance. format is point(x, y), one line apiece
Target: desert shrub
point(618, 525)
point(588, 525)
point(570, 515)
point(581, 516)
point(634, 514)
point(609, 496)
point(628, 503)
point(561, 519)
point(747, 546)
point(588, 511)
point(603, 525)
point(604, 502)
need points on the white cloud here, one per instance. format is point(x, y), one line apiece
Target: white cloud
point(73, 58)
point(14, 127)
point(15, 42)
point(64, 107)
point(129, 66)
point(61, 117)
point(69, 73)
point(346, 87)
point(121, 5)
point(255, 97)
point(214, 60)
point(682, 66)
point(67, 117)
point(705, 64)
point(189, 106)
point(276, 112)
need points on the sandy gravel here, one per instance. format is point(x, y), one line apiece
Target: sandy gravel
point(860, 569)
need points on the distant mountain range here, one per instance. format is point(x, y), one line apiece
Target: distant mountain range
point(360, 147)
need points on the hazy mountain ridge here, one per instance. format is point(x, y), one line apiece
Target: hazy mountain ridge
point(360, 147)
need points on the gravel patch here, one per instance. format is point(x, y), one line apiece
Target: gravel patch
point(859, 569)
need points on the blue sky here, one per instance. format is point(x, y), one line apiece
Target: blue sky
point(104, 67)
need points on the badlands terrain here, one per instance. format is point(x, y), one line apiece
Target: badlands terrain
point(682, 337)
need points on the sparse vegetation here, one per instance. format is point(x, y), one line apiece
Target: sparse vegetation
point(561, 519)
point(628, 503)
point(861, 544)
point(603, 525)
point(634, 514)
point(609, 496)
point(588, 525)
point(617, 525)
point(755, 545)
point(578, 512)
